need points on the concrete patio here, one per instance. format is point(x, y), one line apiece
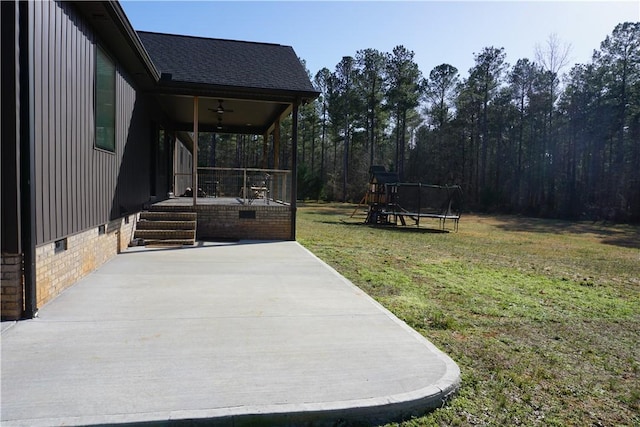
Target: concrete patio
point(222, 333)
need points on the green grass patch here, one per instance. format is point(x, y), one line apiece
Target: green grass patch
point(543, 317)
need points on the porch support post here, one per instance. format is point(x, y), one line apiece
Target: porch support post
point(294, 167)
point(194, 179)
point(276, 145)
point(174, 168)
point(265, 150)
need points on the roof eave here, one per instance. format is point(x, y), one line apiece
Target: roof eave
point(249, 93)
point(120, 19)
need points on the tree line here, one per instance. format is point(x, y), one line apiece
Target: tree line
point(535, 137)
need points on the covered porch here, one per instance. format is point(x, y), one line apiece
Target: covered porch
point(231, 88)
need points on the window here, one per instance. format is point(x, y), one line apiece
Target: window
point(105, 101)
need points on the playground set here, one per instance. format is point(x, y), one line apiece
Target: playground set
point(391, 202)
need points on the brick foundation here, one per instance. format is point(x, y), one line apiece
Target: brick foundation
point(256, 223)
point(11, 289)
point(85, 251)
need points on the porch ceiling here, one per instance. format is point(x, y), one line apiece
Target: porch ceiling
point(243, 116)
point(257, 82)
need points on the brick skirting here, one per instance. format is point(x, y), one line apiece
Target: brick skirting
point(59, 268)
point(11, 296)
point(244, 222)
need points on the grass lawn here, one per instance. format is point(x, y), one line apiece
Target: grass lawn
point(542, 316)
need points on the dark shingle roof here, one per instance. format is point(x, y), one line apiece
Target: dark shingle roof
point(226, 62)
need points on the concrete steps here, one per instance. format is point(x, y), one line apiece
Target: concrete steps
point(166, 228)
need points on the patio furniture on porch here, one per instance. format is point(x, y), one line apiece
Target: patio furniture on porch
point(210, 188)
point(260, 189)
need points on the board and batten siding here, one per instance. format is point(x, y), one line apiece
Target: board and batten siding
point(78, 186)
point(9, 133)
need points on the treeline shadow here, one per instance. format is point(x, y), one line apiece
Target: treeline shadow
point(391, 227)
point(627, 236)
point(632, 241)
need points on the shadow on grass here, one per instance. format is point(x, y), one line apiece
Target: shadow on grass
point(409, 229)
point(540, 225)
point(330, 211)
point(623, 235)
point(391, 228)
point(632, 242)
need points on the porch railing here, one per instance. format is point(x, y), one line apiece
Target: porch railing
point(246, 184)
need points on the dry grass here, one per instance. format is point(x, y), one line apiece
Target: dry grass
point(543, 317)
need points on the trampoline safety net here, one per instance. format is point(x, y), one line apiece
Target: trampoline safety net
point(416, 200)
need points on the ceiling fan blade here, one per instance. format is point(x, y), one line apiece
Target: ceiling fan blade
point(221, 109)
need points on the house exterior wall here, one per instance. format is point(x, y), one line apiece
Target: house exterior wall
point(77, 185)
point(12, 163)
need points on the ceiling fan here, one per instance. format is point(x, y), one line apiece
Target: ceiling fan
point(220, 109)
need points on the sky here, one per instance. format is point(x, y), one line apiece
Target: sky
point(322, 32)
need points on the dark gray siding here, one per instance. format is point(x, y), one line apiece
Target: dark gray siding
point(77, 186)
point(131, 182)
point(9, 106)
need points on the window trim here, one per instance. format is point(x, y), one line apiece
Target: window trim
point(111, 148)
